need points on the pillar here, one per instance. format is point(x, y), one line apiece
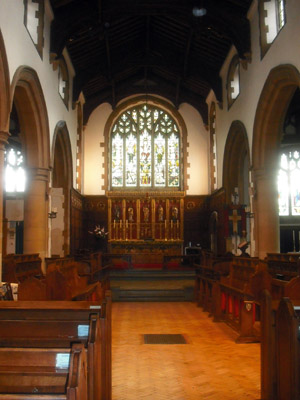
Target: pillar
point(3, 141)
point(36, 212)
point(266, 217)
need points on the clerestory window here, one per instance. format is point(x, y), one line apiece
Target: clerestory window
point(233, 81)
point(145, 150)
point(272, 19)
point(34, 22)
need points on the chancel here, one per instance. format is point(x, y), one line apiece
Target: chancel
point(150, 185)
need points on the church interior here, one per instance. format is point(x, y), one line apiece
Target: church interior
point(149, 199)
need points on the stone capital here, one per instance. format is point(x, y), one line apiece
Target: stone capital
point(39, 174)
point(4, 135)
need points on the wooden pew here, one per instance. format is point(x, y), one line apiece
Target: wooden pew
point(61, 284)
point(284, 266)
point(82, 267)
point(18, 267)
point(280, 348)
point(234, 300)
point(56, 324)
point(38, 371)
point(208, 272)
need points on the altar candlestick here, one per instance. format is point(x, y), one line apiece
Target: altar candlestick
point(120, 223)
point(114, 223)
point(126, 223)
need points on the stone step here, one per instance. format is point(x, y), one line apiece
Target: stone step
point(184, 294)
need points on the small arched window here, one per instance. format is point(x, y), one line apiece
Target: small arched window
point(63, 81)
point(34, 22)
point(145, 150)
point(271, 20)
point(233, 81)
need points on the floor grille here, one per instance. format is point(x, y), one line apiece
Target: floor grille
point(164, 339)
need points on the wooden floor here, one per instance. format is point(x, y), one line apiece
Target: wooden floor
point(210, 366)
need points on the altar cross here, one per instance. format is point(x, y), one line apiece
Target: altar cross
point(235, 218)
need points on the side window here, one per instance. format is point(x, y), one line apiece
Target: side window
point(63, 81)
point(272, 19)
point(233, 81)
point(34, 22)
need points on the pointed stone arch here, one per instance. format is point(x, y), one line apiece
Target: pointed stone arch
point(62, 178)
point(236, 162)
point(4, 88)
point(28, 98)
point(273, 103)
point(4, 125)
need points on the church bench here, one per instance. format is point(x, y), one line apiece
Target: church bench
point(283, 266)
point(234, 298)
point(60, 285)
point(280, 348)
point(82, 266)
point(18, 267)
point(31, 371)
point(208, 271)
point(28, 315)
point(66, 284)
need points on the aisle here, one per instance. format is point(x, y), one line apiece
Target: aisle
point(210, 366)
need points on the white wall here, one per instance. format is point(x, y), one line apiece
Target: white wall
point(93, 153)
point(284, 50)
point(198, 150)
point(22, 52)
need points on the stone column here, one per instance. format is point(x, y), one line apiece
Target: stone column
point(3, 141)
point(266, 218)
point(36, 212)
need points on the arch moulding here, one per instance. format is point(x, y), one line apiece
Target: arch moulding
point(273, 103)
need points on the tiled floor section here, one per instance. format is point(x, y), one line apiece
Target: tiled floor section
point(210, 367)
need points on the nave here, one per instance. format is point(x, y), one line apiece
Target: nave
point(209, 366)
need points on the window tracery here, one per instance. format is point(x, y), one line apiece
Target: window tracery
point(145, 150)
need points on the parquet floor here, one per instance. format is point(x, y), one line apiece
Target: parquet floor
point(211, 366)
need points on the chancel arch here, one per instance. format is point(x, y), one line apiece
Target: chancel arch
point(145, 141)
point(61, 184)
point(28, 99)
point(275, 98)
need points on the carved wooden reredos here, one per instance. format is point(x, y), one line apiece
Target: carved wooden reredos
point(140, 217)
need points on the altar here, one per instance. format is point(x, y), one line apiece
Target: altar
point(146, 227)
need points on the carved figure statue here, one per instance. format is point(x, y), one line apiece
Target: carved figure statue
point(146, 213)
point(160, 213)
point(174, 213)
point(130, 214)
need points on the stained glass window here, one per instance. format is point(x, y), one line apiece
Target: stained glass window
point(145, 149)
point(289, 183)
point(15, 177)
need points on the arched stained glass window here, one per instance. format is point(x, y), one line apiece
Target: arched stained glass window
point(145, 149)
point(15, 177)
point(289, 183)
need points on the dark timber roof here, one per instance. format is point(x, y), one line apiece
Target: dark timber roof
point(124, 47)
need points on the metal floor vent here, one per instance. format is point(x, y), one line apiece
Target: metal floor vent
point(164, 339)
